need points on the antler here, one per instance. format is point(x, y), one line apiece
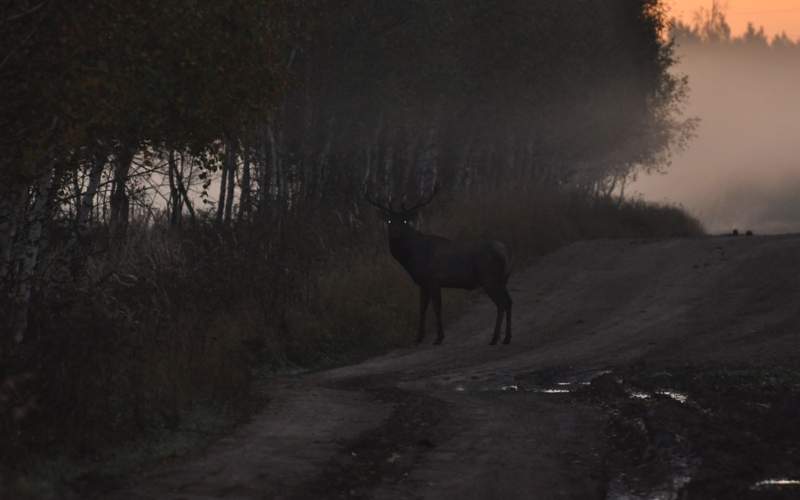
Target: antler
point(375, 203)
point(423, 203)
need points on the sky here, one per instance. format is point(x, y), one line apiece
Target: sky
point(774, 15)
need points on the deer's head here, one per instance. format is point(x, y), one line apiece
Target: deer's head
point(400, 223)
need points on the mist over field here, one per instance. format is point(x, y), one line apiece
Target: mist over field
point(743, 168)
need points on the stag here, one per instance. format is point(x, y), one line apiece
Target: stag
point(434, 263)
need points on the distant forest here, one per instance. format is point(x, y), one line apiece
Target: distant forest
point(181, 182)
point(710, 26)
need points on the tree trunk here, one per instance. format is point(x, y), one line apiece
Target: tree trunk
point(264, 171)
point(623, 183)
point(182, 189)
point(175, 196)
point(388, 171)
point(86, 206)
point(12, 208)
point(278, 174)
point(30, 250)
point(83, 214)
point(244, 198)
point(223, 190)
point(120, 200)
point(230, 159)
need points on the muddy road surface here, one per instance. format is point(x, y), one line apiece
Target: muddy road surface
point(638, 369)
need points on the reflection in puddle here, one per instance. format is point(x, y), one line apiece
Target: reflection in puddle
point(775, 482)
point(677, 396)
point(553, 391)
point(639, 395)
point(515, 388)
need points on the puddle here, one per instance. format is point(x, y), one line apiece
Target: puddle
point(513, 388)
point(677, 396)
point(546, 382)
point(680, 397)
point(775, 483)
point(504, 380)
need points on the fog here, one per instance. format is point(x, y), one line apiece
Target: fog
point(743, 168)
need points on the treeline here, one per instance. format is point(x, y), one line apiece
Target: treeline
point(181, 182)
point(710, 28)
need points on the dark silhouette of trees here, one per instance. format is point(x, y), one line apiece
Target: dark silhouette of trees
point(710, 27)
point(89, 85)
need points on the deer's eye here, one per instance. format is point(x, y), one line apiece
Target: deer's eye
point(405, 222)
point(388, 221)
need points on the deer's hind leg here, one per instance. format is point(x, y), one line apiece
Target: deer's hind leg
point(424, 300)
point(502, 300)
point(436, 297)
point(507, 339)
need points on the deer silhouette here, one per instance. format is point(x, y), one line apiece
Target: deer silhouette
point(434, 263)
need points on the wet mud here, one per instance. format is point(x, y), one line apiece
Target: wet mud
point(706, 433)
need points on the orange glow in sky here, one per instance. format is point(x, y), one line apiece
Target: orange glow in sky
point(774, 15)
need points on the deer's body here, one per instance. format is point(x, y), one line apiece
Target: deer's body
point(468, 265)
point(434, 263)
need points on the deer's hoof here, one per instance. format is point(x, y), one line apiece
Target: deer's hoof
point(507, 340)
point(493, 342)
point(438, 341)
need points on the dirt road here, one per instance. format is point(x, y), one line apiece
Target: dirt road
point(638, 369)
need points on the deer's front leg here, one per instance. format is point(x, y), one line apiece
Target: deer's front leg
point(424, 299)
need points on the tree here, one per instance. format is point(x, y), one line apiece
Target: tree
point(94, 77)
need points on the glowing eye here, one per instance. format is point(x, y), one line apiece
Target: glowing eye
point(389, 221)
point(405, 222)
